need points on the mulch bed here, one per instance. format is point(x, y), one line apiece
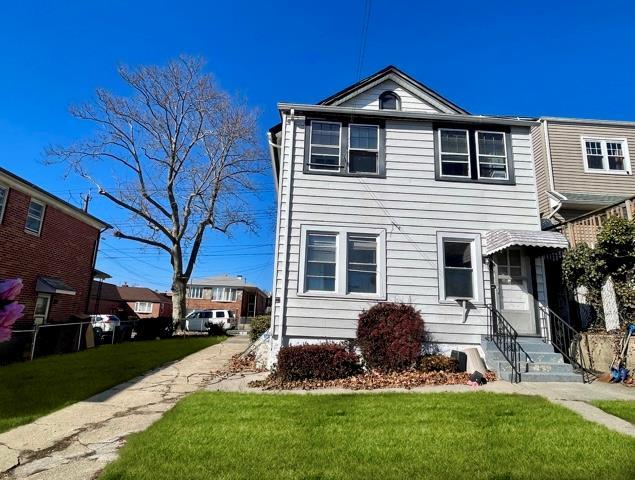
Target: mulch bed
point(372, 380)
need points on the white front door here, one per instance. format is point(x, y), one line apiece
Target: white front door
point(515, 298)
point(42, 304)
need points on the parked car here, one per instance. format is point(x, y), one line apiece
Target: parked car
point(200, 320)
point(106, 322)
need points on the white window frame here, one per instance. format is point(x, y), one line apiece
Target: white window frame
point(44, 317)
point(478, 156)
point(226, 295)
point(39, 230)
point(339, 149)
point(3, 202)
point(605, 170)
point(147, 309)
point(191, 289)
point(341, 261)
point(376, 150)
point(478, 290)
point(467, 155)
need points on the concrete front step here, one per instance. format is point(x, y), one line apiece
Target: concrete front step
point(544, 377)
point(542, 365)
point(537, 367)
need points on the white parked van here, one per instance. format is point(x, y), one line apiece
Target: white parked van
point(200, 320)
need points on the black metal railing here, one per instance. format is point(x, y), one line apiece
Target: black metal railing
point(505, 337)
point(566, 340)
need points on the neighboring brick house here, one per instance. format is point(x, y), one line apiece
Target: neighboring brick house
point(225, 292)
point(127, 302)
point(51, 245)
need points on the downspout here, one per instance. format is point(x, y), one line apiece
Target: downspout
point(545, 131)
point(283, 282)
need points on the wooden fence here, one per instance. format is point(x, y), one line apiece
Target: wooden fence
point(584, 229)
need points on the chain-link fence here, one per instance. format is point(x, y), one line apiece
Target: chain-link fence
point(57, 338)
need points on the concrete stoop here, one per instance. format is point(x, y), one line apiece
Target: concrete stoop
point(540, 363)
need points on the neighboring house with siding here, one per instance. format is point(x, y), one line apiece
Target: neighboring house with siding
point(389, 192)
point(226, 292)
point(582, 165)
point(51, 245)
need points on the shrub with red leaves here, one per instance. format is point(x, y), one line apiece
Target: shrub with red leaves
point(391, 336)
point(325, 361)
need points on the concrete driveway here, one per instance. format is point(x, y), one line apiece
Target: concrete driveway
point(78, 441)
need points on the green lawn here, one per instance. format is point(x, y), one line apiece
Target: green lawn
point(32, 389)
point(373, 436)
point(620, 408)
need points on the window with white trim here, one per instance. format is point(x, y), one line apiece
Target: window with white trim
point(325, 146)
point(363, 148)
point(454, 150)
point(4, 193)
point(321, 262)
point(342, 261)
point(361, 272)
point(389, 101)
point(224, 294)
point(194, 292)
point(459, 266)
point(491, 153)
point(143, 307)
point(606, 155)
point(34, 217)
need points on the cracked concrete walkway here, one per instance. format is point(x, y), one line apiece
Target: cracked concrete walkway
point(79, 440)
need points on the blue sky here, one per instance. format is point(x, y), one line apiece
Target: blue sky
point(569, 58)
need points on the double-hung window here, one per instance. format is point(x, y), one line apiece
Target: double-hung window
point(363, 148)
point(460, 266)
point(454, 152)
point(606, 155)
point(491, 151)
point(4, 193)
point(467, 154)
point(324, 147)
point(143, 307)
point(342, 261)
point(34, 217)
point(195, 292)
point(346, 147)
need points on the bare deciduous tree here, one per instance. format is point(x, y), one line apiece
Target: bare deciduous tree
point(182, 154)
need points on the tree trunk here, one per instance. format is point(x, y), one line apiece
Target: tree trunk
point(179, 287)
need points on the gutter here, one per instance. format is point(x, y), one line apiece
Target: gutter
point(545, 131)
point(272, 154)
point(449, 117)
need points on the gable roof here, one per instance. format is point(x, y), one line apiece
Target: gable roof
point(406, 81)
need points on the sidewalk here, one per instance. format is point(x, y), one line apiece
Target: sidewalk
point(78, 441)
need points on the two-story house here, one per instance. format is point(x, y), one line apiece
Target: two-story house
point(50, 244)
point(389, 192)
point(582, 165)
point(226, 292)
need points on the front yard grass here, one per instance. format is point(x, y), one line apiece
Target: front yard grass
point(372, 436)
point(620, 408)
point(32, 389)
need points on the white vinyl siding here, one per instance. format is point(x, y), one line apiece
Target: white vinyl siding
point(604, 155)
point(409, 102)
point(143, 307)
point(4, 194)
point(411, 206)
point(35, 217)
